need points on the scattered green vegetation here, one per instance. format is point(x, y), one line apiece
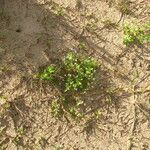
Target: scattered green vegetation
point(135, 34)
point(79, 72)
point(75, 109)
point(48, 73)
point(66, 105)
point(73, 75)
point(76, 72)
point(21, 130)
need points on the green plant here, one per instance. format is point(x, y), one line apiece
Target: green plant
point(135, 34)
point(75, 109)
point(75, 73)
point(79, 72)
point(97, 114)
point(17, 140)
point(59, 10)
point(48, 73)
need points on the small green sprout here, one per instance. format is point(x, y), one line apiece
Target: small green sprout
point(97, 114)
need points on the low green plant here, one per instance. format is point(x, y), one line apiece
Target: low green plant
point(97, 114)
point(61, 104)
point(79, 72)
point(73, 74)
point(2, 99)
point(76, 72)
point(48, 73)
point(75, 109)
point(135, 34)
point(59, 10)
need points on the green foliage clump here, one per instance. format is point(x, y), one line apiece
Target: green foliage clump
point(73, 74)
point(48, 73)
point(79, 72)
point(76, 72)
point(135, 34)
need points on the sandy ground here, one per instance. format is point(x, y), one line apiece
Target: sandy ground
point(34, 33)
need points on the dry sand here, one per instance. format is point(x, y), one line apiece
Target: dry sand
point(33, 34)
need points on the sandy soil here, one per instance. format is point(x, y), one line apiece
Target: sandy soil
point(34, 33)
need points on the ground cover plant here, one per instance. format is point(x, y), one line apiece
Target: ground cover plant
point(74, 74)
point(134, 34)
